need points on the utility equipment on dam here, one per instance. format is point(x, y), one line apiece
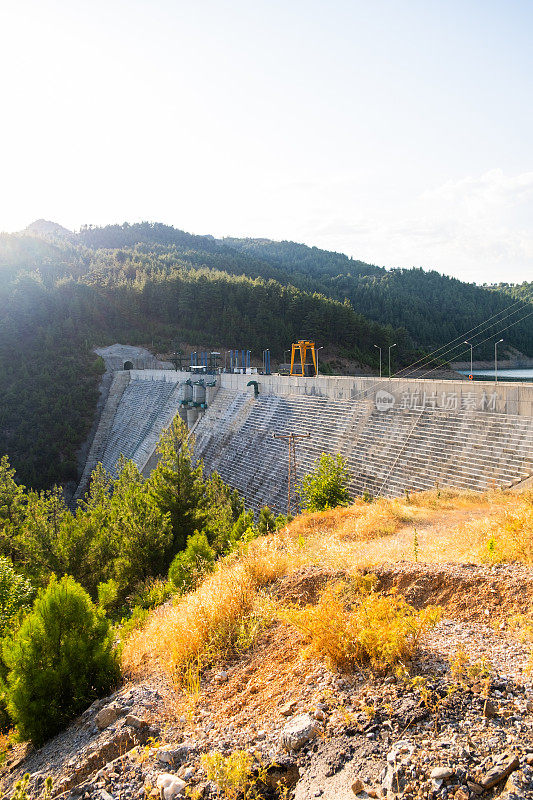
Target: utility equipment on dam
point(303, 369)
point(292, 478)
point(205, 362)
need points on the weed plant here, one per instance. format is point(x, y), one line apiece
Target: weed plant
point(234, 775)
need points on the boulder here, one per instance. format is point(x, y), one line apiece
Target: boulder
point(298, 732)
point(169, 785)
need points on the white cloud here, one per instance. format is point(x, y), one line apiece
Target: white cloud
point(476, 228)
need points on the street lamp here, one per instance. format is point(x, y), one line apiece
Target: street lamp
point(379, 348)
point(496, 360)
point(390, 348)
point(471, 346)
point(318, 348)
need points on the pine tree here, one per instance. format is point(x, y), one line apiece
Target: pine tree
point(59, 661)
point(176, 486)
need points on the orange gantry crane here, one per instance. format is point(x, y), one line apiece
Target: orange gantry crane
point(301, 368)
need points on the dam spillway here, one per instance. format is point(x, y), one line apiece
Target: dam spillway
point(397, 435)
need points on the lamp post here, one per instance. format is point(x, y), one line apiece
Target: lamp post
point(471, 346)
point(379, 348)
point(390, 348)
point(318, 348)
point(496, 360)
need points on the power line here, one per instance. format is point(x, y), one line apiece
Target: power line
point(449, 346)
point(411, 369)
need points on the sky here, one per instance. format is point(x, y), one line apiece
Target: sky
point(398, 132)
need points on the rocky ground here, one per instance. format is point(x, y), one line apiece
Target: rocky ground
point(458, 725)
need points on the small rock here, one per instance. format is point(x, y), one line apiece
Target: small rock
point(165, 755)
point(461, 795)
point(288, 708)
point(107, 716)
point(489, 709)
point(170, 754)
point(499, 772)
point(298, 732)
point(105, 795)
point(441, 773)
point(169, 785)
point(222, 676)
point(135, 722)
point(357, 786)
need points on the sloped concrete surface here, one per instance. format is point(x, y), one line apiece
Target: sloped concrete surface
point(387, 453)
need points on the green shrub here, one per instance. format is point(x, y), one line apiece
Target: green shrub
point(243, 529)
point(16, 595)
point(267, 522)
point(327, 486)
point(191, 564)
point(151, 594)
point(107, 594)
point(59, 660)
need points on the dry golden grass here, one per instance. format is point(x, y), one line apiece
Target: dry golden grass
point(451, 526)
point(507, 536)
point(353, 626)
point(202, 625)
point(360, 521)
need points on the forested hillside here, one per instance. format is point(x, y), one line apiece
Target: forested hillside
point(523, 291)
point(59, 300)
point(433, 308)
point(149, 284)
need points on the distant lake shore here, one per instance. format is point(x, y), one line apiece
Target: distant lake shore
point(503, 374)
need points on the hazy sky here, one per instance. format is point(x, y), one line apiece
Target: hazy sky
point(398, 132)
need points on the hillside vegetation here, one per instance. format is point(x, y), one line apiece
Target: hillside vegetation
point(62, 294)
point(311, 656)
point(429, 527)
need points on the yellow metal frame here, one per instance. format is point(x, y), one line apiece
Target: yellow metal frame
point(302, 347)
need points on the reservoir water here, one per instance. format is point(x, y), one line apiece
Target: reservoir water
point(503, 374)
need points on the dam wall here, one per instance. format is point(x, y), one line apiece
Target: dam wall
point(397, 435)
point(502, 398)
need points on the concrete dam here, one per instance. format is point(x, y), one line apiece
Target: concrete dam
point(396, 434)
